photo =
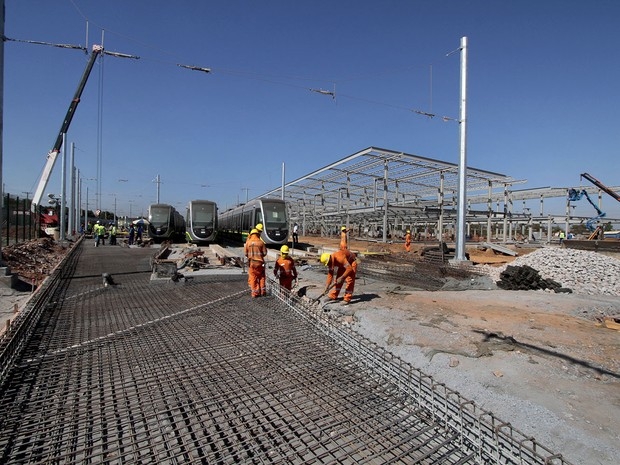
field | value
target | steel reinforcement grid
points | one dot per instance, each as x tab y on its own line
199	372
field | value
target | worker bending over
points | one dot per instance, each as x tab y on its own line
256	251
284	269
345	262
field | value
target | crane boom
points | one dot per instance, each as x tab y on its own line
53	153
600	185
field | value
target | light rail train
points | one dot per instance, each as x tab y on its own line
236	223
201	221
165	223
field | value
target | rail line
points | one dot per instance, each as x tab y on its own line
198	372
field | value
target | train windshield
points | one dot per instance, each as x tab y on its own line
275	215
159	216
202	214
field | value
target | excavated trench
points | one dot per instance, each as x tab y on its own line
144	371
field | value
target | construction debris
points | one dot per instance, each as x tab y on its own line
34	260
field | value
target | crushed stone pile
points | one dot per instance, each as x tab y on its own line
582	271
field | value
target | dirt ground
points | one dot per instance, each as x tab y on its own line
538	360
535	359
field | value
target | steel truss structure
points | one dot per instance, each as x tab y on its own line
379	190
388	188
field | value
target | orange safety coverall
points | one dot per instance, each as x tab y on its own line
286	272
408	242
256	251
346	263
343	240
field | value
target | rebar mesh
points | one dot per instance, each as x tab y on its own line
199	372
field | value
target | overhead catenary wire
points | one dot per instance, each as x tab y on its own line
277	79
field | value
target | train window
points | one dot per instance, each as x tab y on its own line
203	215
275	214
159	215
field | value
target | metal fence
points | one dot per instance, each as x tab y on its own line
19	224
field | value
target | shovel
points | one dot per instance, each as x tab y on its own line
324	293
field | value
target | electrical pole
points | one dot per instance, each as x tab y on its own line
157	181
1	113
462	197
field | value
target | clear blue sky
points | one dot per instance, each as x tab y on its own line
543	94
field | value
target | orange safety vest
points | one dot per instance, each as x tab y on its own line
286	267
343	260
255	248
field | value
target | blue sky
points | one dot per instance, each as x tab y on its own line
543	98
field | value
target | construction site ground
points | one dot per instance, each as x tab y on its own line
538	359
535	359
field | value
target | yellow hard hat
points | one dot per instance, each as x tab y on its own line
408	231
259	227
253	231
284	250
344	228
325	258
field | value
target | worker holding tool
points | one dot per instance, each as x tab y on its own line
343	238
408	241
256	251
346	263
284	269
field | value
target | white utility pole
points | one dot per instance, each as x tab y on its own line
63	190
462	197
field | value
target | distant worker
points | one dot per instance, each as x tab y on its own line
256	251
113	233
99	232
343	238
284	269
408	241
562	236
346	263
295	235
132	234
139	233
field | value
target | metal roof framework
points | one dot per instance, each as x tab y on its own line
380	184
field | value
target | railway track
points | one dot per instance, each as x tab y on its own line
198	372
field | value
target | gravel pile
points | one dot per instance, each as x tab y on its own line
584	272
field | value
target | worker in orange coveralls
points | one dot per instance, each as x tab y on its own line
284	269
259	229
346	263
256	251
408	241
343	238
